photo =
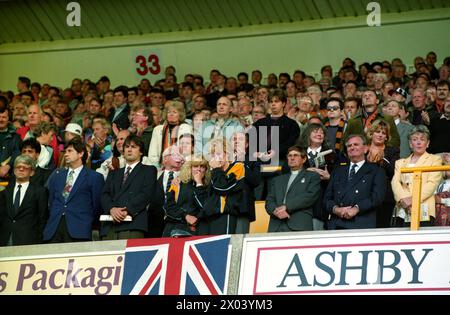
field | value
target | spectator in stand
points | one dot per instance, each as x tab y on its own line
20	111
128	191
292	196
402	184
369	113
258	112
256	78
9	142
442	93
186	197
224	126
74	198
314	141
356	190
169	133
385	156
142	125
32	148
275	134
23	207
352	106
418	113
222	206
119	115
44	134
393	108
440	130
34	119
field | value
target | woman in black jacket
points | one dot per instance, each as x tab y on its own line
186	198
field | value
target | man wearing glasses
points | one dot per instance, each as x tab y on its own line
335	123
23	207
292	196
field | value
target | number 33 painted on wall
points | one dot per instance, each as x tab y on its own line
153	65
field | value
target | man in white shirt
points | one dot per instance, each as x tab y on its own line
23	207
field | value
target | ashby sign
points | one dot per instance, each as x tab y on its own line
347	263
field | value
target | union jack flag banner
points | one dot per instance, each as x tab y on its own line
195	265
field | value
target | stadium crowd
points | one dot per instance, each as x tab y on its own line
177	159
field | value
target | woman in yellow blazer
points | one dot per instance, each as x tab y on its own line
419	140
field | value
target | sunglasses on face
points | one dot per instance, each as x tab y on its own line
332	108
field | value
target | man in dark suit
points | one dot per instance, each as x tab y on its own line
128	192
356	190
23	207
292	196
74	197
32	148
119	116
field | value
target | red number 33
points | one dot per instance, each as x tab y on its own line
143	69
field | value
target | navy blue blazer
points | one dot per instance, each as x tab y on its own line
135	194
367	190
81	207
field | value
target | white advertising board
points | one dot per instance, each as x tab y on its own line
347	262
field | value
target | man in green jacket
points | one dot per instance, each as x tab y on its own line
369	113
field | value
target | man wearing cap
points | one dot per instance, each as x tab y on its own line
369	113
399	95
72	130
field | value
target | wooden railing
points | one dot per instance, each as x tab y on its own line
417	189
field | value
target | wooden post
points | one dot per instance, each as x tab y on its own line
416	198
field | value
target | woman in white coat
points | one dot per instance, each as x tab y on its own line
169	132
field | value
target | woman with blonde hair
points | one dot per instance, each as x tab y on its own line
223	206
186	197
419	140
169	132
385	156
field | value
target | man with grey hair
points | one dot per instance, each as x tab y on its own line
356	190
23	207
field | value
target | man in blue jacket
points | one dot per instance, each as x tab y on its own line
74	197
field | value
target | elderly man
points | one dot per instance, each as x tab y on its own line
355	190
292	196
172	162
225	126
23	207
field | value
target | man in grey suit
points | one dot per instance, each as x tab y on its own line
291	196
393	108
